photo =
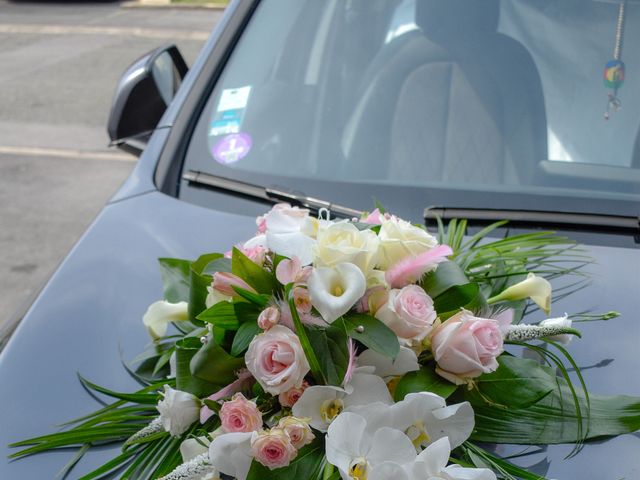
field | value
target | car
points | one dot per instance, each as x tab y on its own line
457	109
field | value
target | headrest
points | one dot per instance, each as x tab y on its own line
439	18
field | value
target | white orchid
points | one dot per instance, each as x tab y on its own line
161	313
425	418
335	290
322	404
361	453
178	410
431	463
534	287
290	231
231	454
385	367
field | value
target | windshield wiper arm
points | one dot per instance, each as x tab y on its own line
266	194
601	223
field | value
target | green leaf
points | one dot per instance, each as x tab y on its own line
554	419
330	347
483	459
442	278
258	299
176	279
256	276
186	349
243	337
222	315
456	297
376	335
517	383
301	332
306	466
199	283
214	365
246	312
423	380
220	264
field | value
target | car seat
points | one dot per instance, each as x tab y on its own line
451	101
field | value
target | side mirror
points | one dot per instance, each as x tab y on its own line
144	92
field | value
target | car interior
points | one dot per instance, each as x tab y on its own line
427	92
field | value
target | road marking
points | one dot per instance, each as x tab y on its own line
164	33
66	153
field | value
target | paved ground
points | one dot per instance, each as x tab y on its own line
59	65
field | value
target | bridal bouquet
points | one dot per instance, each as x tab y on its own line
360	349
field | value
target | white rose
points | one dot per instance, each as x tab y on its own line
399	240
178	410
342	242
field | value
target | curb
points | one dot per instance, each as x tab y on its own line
164	4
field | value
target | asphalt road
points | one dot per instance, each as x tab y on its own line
59	65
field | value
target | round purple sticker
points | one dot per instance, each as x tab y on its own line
232	148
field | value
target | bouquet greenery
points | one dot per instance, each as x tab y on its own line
357	349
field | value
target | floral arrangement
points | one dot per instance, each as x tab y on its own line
359	349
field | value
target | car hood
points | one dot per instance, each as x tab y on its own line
88	320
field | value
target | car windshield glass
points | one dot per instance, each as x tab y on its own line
517	97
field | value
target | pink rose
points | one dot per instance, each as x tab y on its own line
268	318
255	253
291	396
297	430
240	415
224	282
466	347
273	449
408	312
276	359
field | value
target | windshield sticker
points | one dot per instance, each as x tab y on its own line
228	116
232	148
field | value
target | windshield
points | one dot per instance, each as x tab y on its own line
514	97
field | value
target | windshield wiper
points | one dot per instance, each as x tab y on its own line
266	194
539	219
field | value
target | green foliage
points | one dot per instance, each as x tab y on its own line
374	335
186	349
175	274
256	276
517	383
213	364
330	347
199	281
423	380
243	338
222	315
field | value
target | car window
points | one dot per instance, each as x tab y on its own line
492	96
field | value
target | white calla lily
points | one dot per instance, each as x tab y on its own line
432	463
231	454
534	287
322	404
335	290
425	418
385	367
361	453
161	313
193	447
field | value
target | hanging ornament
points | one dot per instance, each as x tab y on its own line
614	69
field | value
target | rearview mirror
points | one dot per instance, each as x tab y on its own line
143	94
